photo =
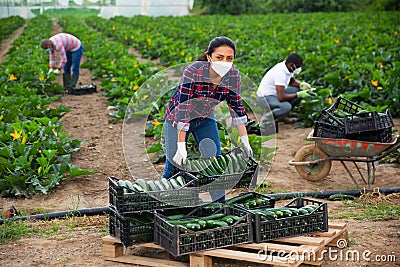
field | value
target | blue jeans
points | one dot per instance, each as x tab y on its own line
74	61
278	108
205	133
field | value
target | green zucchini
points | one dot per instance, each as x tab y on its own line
152	186
216	165
137	187
159	185
222	162
121	183
303	211
235	164
174	183
193	226
242	162
215	216
129	185
142	184
220	224
202	223
166	183
229	164
239	199
180	180
210	167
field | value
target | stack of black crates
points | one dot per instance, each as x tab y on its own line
348	120
132	213
143	217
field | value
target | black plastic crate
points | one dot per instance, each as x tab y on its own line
134	228
178	240
83	90
327	117
266	229
367	121
126	200
345	105
325	130
379	136
247	178
241	201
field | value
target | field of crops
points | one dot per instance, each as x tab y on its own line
351	54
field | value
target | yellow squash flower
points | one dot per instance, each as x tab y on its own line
113	80
1	117
182	53
379	88
23	140
41	78
336	41
145	97
16	135
148	41
156	123
374	83
135	87
12	77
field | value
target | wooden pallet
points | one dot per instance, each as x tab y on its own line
290	252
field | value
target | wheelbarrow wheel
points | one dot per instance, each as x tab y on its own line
313	171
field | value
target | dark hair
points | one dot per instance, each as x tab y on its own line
215	43
295	59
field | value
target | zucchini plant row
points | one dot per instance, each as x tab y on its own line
142	185
283	212
217	165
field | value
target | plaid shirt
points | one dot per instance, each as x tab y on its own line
195	97
62	43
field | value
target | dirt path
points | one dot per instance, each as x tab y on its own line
7	43
77	242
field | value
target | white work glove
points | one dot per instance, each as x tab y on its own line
246	145
50	71
305	86
56	71
181	154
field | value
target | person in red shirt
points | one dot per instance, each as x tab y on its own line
70	50
203	85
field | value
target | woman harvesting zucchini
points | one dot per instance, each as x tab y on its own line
204	84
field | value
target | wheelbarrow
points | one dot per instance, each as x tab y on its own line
313	162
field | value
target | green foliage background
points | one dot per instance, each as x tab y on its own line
238	7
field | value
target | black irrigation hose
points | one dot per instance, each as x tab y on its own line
103	210
327	194
60	214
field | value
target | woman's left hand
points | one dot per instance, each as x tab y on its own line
246	145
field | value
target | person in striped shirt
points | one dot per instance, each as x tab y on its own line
203	85
70	50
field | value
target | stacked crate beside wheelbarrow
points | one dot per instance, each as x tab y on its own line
348	120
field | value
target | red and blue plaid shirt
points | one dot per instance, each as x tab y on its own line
195	97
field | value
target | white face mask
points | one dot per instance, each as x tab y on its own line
221	67
297	71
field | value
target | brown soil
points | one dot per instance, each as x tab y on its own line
78	240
